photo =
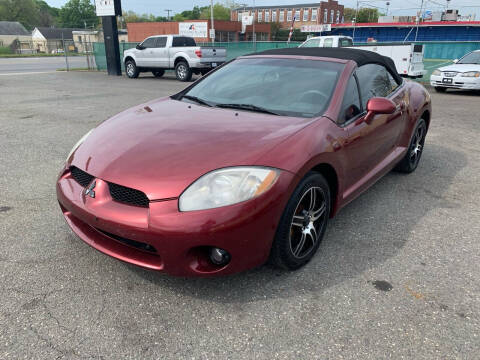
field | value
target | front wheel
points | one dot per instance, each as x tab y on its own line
303	224
183	72
131	69
411	159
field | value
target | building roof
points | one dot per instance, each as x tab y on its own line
408	24
291	6
12	28
361	57
51	33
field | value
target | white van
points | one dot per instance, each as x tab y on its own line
408	57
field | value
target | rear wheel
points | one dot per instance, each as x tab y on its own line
440	89
303	224
158	73
131	69
183	71
411	159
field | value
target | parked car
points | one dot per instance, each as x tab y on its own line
462	74
408	58
181	53
238	169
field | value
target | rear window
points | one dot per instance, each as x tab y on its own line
345	42
179	41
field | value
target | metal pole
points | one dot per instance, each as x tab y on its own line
253	29
168	14
211	19
65	53
355	23
418	20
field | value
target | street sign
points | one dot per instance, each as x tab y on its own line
212	34
316	28
108	7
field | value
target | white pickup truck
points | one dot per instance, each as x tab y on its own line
408	58
164	52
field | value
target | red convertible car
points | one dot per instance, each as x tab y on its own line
245	165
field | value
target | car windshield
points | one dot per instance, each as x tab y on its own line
472	58
287	87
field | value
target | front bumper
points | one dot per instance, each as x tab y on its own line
162	238
458	82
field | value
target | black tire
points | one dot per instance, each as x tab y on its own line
158	73
131	69
415	149
183	72
288	252
440	89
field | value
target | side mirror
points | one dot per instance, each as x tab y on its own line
455	61
140	47
379	105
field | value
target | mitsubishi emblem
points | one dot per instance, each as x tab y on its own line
89	191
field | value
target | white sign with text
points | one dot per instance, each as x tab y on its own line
193	29
105	7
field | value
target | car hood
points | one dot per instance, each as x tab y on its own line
460	67
161	147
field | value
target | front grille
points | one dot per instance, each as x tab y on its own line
118	192
450	74
81	176
127	195
136	244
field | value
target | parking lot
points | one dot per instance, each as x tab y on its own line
397	276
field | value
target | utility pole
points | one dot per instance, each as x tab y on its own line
212	28
168	13
388	5
418	20
253	28
355	22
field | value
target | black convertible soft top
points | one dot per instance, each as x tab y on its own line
361	57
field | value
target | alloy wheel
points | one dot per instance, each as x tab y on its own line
416	146
307	222
182	71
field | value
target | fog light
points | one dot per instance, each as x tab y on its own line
219	256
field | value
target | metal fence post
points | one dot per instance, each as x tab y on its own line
65	52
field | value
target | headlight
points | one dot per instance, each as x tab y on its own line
436	72
79	142
475	74
226	187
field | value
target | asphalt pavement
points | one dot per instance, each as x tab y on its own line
35	65
397	276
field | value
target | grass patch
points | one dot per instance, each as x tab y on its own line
75	69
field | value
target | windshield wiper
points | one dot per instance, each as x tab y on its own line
196	99
247	107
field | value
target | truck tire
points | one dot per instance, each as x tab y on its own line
183	72
158	73
131	69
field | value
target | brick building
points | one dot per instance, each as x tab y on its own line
323	12
225	31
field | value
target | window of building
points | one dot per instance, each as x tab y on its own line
325	16
314	14
267	16
274	16
332	14
289	15
338	17
297	15
281	16
305	14
260	14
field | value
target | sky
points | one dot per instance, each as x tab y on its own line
397	7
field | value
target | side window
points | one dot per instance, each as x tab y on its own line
351	106
312	43
161	42
345	42
149	43
328	42
179	41
375	81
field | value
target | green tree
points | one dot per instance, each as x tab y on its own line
23	11
78	14
364	15
220	12
47	15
